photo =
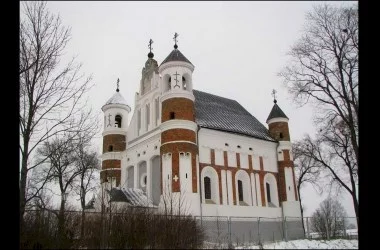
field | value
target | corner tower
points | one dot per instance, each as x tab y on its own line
116	112
279	130
179	149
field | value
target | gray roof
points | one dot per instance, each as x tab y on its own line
133	196
117	98
175	55
227	115
276	112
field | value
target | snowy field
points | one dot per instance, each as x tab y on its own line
308	244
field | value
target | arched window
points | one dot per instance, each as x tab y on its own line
268	192
240	190
207	184
110	148
118	121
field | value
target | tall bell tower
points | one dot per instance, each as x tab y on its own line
179	150
279	130
114	134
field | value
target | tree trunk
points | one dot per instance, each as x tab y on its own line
61	223
299	197
82	225
22	188
356	207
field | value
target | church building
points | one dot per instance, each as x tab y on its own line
205	153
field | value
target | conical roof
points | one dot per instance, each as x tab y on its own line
117	98
176	55
276	112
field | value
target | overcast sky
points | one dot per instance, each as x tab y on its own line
237	49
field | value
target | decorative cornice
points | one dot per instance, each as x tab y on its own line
171	142
277	119
114	131
178	124
175	64
116	105
107	169
112	156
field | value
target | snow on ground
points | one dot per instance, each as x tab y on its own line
308	244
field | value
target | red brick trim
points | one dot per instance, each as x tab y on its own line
261	164
178	134
182	107
276	128
238	160
117	141
281	181
286	154
175	149
294	183
250	162
111	164
212	156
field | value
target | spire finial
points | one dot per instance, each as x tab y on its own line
175	40
274	95
117	83
150	55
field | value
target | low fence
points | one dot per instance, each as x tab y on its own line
130	229
141	228
220	230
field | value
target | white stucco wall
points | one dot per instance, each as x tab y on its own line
240	211
290	190
185	172
291	208
217	140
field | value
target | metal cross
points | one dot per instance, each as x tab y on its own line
175	38
175	178
109	120
117	83
176	80
274	93
150	45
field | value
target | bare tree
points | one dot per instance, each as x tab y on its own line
61	168
307	170
324	70
328	219
51	93
87	163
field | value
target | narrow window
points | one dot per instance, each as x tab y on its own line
118	121
172	115
186	178
169	83
240	190
110	148
145	180
184	84
207	183
268	192
147	116
157	107
281	136
138	120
